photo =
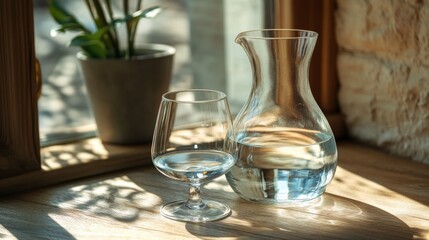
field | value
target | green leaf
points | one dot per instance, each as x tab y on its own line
147	13
60	14
79	40
96	50
69	27
99	33
92	44
64	18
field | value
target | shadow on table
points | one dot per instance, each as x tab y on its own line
329	217
32	215
404	176
134	197
32	225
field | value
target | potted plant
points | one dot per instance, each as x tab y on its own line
124	81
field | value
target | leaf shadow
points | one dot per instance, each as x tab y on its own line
329	217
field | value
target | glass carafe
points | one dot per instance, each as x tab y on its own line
287	151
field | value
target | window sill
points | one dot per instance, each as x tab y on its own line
65	162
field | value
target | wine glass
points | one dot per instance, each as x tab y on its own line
191	144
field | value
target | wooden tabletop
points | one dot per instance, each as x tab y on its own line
373	196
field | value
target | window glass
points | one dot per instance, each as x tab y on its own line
202	31
63	107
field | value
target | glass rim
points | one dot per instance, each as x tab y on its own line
250	34
220	96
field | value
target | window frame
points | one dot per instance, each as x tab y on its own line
19	134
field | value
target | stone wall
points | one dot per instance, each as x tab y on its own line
383	67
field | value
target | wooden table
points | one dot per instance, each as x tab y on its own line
373	196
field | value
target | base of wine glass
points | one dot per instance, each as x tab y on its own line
210	211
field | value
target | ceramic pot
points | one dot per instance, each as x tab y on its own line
125	93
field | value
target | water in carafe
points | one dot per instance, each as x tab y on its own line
287	151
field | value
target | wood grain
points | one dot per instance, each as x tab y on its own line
373	196
19	134
317	16
76	160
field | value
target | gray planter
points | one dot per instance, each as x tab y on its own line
125	94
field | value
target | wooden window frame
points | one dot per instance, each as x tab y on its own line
19	135
24	165
318	16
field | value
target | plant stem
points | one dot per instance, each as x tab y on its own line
101	22
133	28
91	10
128	28
110	11
139	5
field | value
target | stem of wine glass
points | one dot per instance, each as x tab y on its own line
194	199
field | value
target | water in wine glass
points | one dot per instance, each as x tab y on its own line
190	144
194	166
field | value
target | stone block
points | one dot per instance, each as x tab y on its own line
423	33
384	73
387	29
